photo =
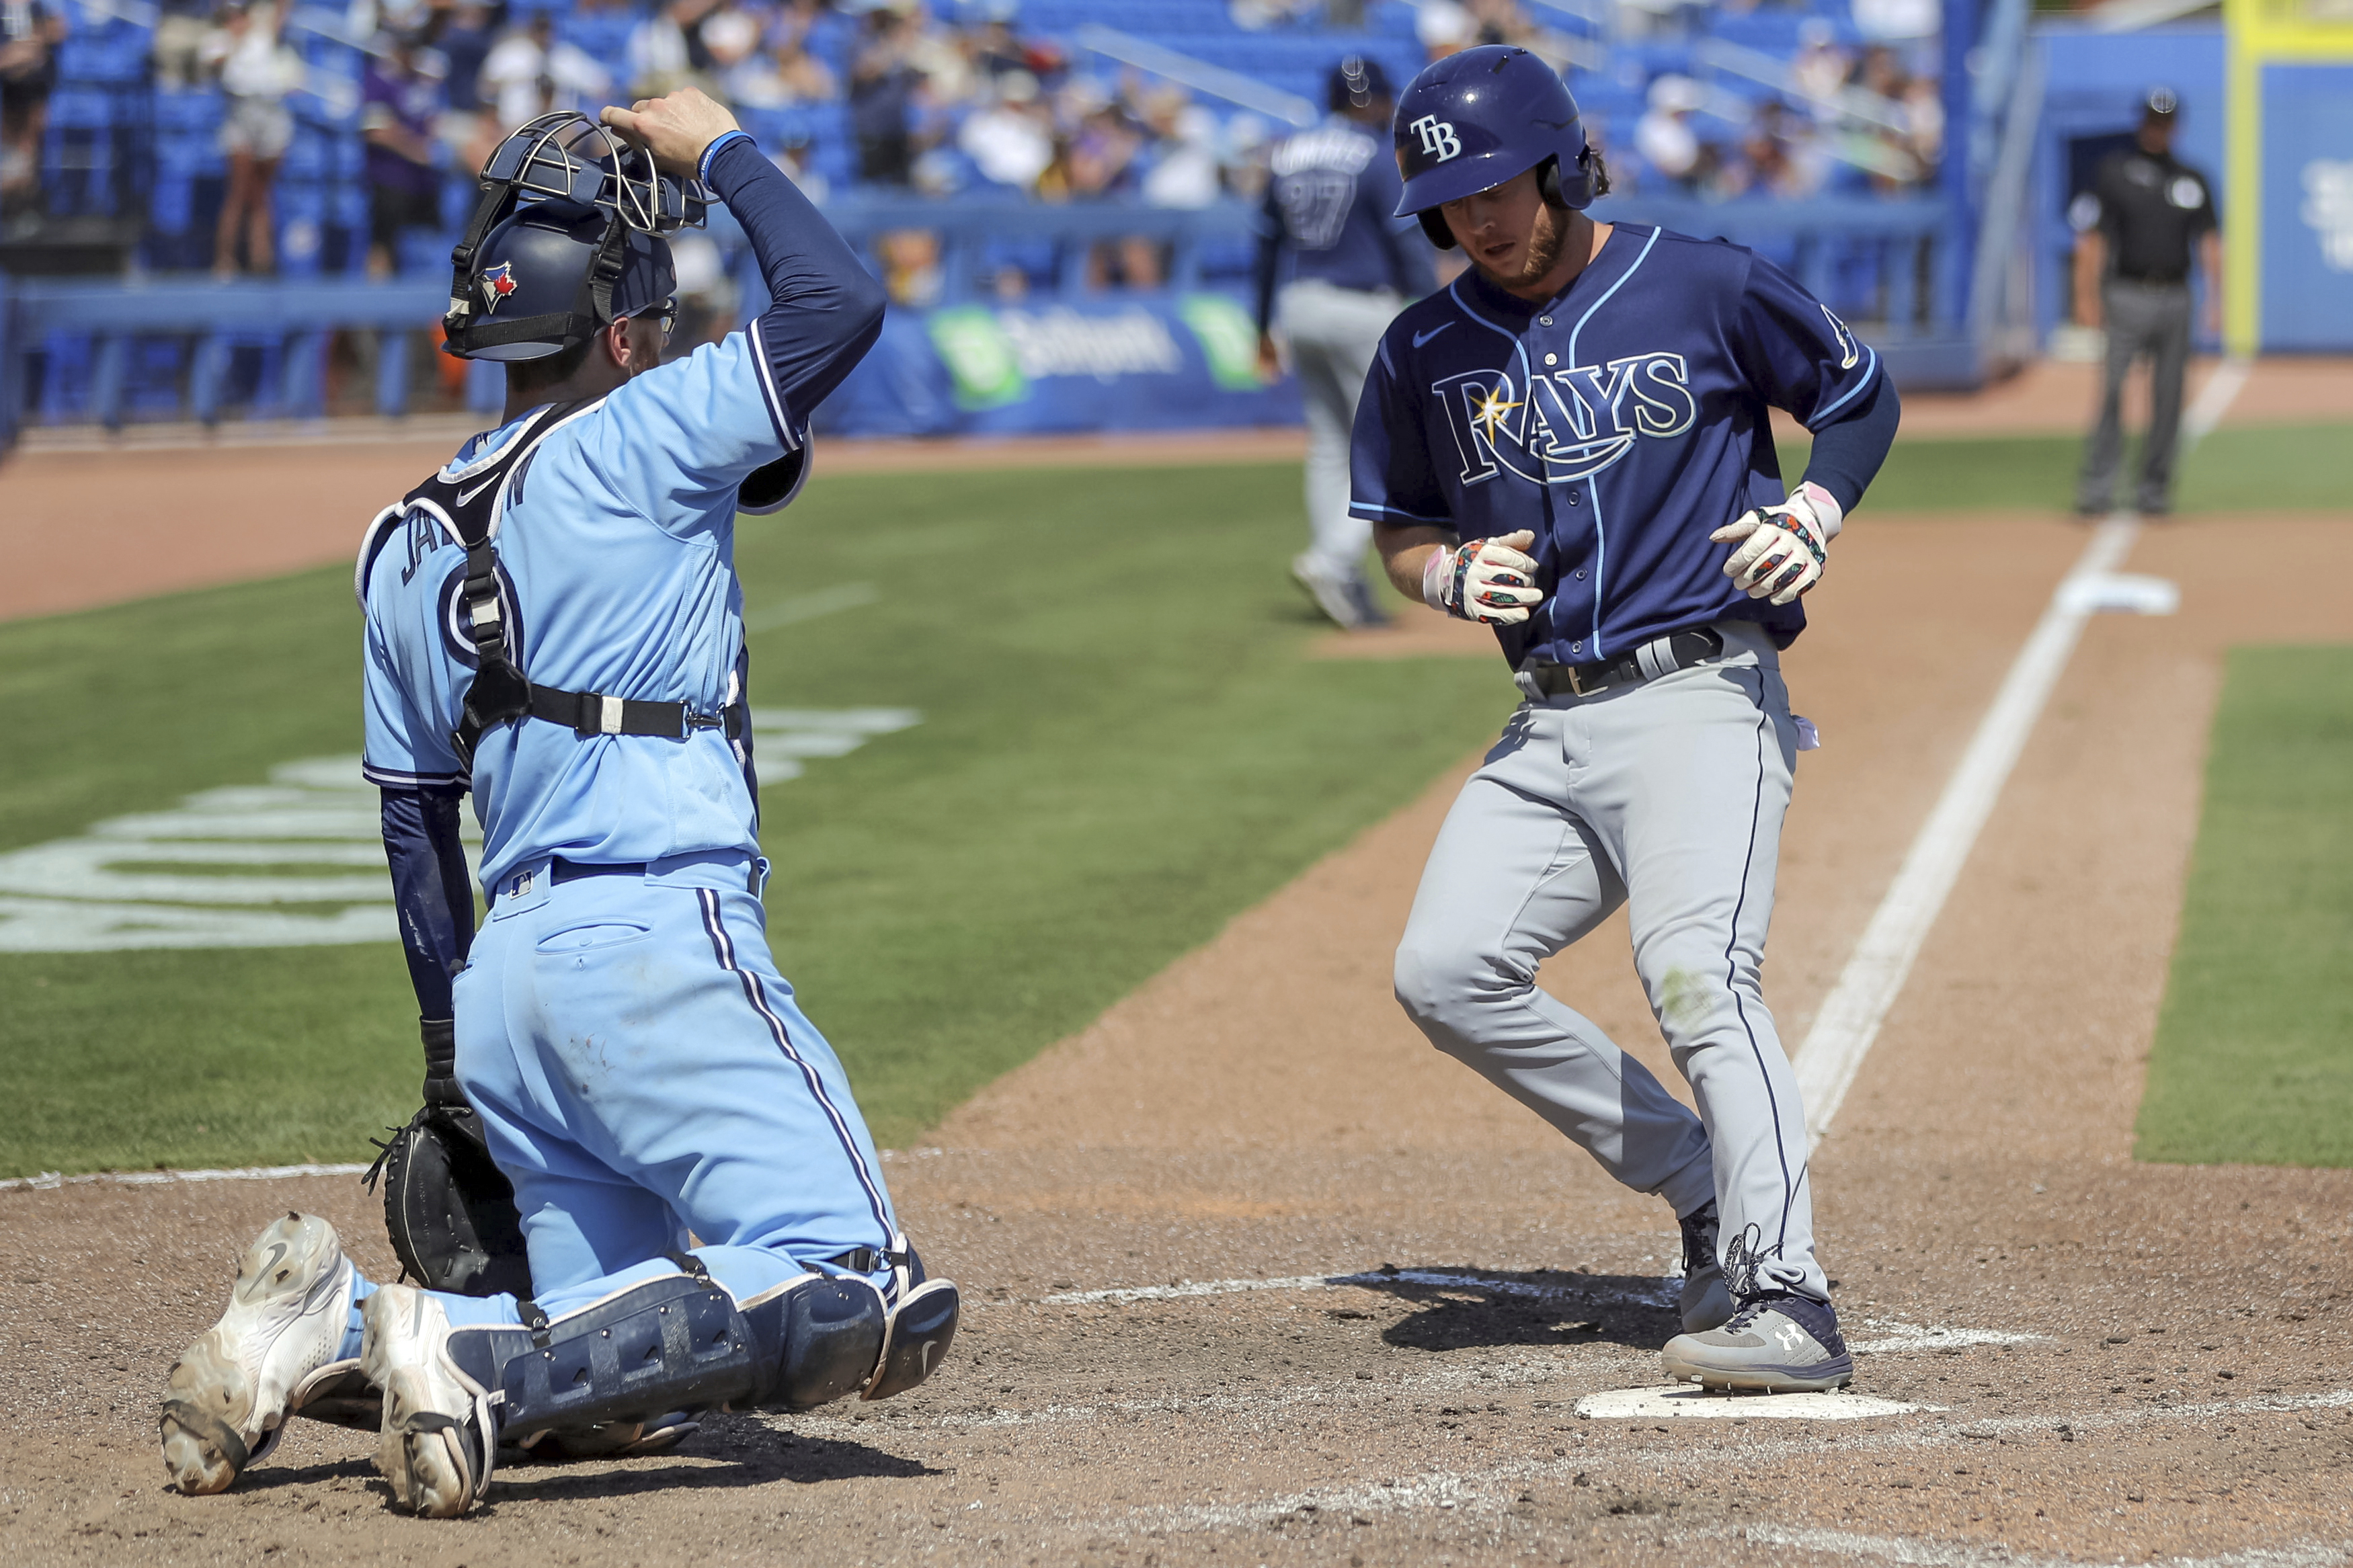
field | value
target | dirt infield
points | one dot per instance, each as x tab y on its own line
1404	1284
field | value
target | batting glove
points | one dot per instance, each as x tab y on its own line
1490	581
1785	547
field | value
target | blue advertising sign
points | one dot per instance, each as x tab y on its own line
2307	237
1133	362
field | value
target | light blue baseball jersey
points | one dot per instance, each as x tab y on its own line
616	547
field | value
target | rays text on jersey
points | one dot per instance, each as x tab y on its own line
1563	424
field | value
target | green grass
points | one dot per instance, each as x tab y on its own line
2285	467
1121	747
2253	1058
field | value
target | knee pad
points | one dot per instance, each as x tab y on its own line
916	1338
816	1339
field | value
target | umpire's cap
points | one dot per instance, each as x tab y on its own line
1472	120
533	271
1356	83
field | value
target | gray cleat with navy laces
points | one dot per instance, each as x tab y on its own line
1778	1342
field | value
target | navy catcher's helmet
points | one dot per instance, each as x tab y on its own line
566	239
534	293
1357	83
1472	120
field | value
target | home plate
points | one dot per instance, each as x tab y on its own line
1678	1400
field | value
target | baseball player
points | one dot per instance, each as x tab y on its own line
1334	268
1570	444
553	620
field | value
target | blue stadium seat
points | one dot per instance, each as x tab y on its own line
424	253
306	156
75	108
198	110
1769	28
602	35
300	209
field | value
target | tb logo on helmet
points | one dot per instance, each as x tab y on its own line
1438	138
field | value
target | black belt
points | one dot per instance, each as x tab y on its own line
1681	651
2149	282
562	871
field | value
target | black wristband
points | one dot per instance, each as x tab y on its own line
441	1036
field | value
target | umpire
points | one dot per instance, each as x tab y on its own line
1334	269
2136	226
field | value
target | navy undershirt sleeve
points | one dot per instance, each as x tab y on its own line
824	310
1847	453
432	892
1270	258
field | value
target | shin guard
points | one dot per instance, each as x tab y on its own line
677	1344
668	1345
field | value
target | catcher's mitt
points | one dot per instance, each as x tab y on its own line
450	1213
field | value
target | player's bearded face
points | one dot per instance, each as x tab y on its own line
1511	233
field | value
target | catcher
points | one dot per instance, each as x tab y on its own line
554	622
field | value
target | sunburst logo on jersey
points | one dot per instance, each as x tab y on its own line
1492	410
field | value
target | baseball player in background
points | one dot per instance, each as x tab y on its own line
1570	444
553	620
1334	269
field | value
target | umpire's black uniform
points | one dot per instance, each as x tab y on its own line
2140	223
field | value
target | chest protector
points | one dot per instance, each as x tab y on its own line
471	508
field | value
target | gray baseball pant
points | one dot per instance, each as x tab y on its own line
2150	319
1334	333
1666	797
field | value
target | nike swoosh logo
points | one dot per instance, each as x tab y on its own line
277	1255
1421	338
465	496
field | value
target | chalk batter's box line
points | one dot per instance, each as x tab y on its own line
1897	1338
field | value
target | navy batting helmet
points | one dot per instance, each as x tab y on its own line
568	239
1357	83
1473	120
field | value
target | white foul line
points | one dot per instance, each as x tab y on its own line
1661	1295
1875	974
49	1181
2214	400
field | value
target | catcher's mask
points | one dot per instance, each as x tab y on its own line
568	239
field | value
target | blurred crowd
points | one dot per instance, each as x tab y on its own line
1861	120
962	99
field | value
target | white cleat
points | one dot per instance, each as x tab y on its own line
226	1399
440	1432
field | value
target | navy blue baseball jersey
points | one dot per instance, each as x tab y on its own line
1329	194
1621	423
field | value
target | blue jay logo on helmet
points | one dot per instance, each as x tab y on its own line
497	283
570	236
1475	119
